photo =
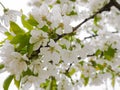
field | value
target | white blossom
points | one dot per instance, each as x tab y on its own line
41	14
67	27
28	81
51	53
14	62
38	38
55	16
10	15
35	66
3	29
69	56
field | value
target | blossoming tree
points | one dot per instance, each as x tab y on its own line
63	44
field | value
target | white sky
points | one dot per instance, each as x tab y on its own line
22	4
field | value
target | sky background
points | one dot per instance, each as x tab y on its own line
22	4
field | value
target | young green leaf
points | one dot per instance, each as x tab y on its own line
30	49
45	84
96	20
28	72
113	80
1	42
21	41
45	28
52	84
72	71
25	23
73	0
98	53
9	36
86	80
1	66
15	28
109	53
72	13
7	82
17	83
32	21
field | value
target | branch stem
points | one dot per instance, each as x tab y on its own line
2	6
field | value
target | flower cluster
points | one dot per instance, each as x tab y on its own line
51	54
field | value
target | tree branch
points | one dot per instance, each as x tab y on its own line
90	36
107	7
116	4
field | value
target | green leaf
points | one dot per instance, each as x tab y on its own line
2	42
72	71
28	72
9	36
58	2
1	66
45	84
98	53
25	23
32	21
73	0
95	31
30	49
93	63
49	84
52	84
72	13
81	63
109	53
63	46
21	41
17	83
45	28
113	80
86	80
100	67
96	20
78	40
15	28
7	82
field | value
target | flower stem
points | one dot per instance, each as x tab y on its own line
5	9
2	5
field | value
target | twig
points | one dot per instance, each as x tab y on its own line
107	7
69	67
2	5
90	36
116	4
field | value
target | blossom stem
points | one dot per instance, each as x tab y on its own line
2	6
69	67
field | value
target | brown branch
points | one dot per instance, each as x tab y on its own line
69	68
107	7
116	4
89	37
